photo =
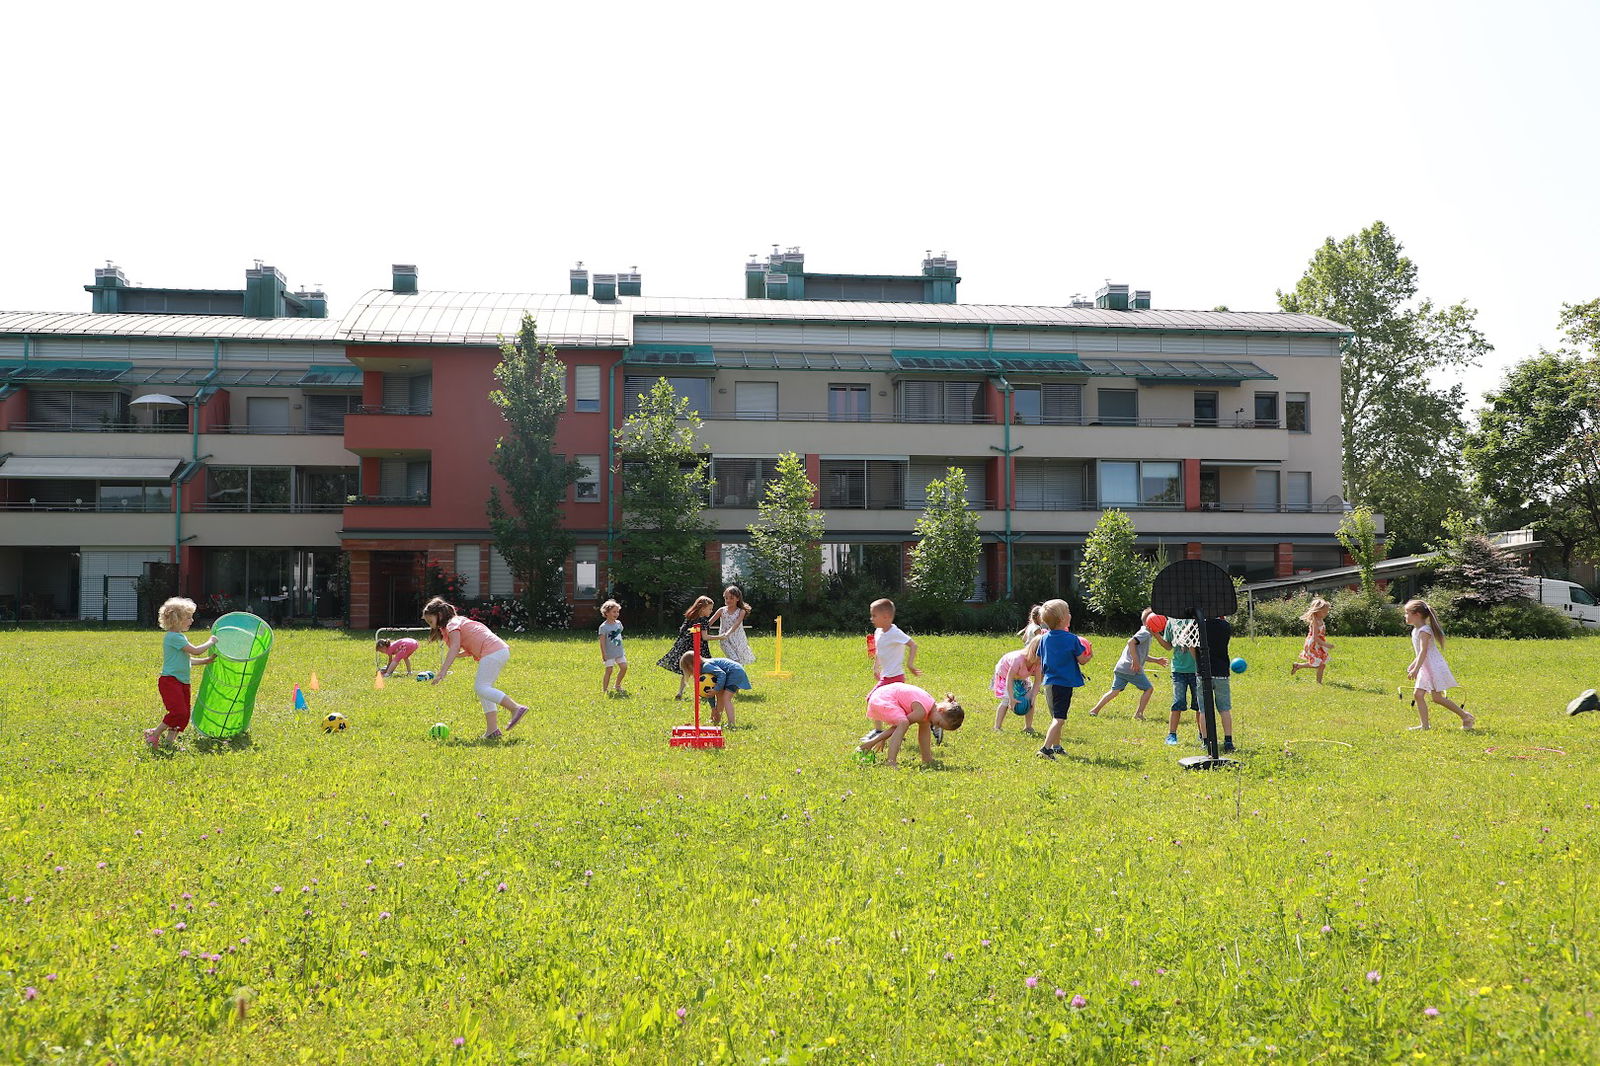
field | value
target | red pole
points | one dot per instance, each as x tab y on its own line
696	681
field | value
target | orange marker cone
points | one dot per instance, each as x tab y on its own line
314	685
377	681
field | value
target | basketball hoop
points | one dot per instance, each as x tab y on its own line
696	735
1194	590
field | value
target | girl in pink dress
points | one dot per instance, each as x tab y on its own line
1429	672
1010	672
895	707
1314	653
463	636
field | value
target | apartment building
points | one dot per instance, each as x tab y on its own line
310	466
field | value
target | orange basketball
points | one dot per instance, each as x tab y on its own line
1156	623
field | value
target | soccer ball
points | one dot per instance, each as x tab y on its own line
335	723
439	731
708	686
426	675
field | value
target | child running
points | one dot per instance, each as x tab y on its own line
696	615
895	707
732	616
727	677
1059	653
1014	681
1130	668
611	653
1314	654
399	651
1429	673
177	655
893	653
464	636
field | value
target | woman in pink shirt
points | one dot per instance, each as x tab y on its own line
463	636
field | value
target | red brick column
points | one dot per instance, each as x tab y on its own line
1191	484
1283	565
714	562
1192	550
360	589
814	473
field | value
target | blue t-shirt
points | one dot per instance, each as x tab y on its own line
1059	652
725	673
174	660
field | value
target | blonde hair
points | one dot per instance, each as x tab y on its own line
701	604
883	605
1035	624
1318	604
437	613
1421	607
686	660
1055	613
606	606
174	609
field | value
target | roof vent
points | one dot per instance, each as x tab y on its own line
777	286
405	277
1112	297
110	274
630	283
605	287
938	266
578	280
755	278
1141	300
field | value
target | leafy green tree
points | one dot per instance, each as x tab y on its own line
1402	436
1484	575
1358	532
1116	579
1535	453
666	483
944	563
526	519
785	541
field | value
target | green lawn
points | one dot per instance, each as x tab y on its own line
584	893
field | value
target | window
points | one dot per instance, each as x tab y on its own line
404	478
1052	484
500	580
588	483
325	488
922	471
1299	490
756	399
248	488
1119	407
950	402
849	403
1297	412
325	411
1266	490
134	497
740	482
1210	488
1266	410
68	409
696	390
408	394
1062	405
1149	484
586	570
467	564
267	414
1205	408
585	388
1578	594
1027	405
874	484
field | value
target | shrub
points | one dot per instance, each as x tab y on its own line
1353	614
1519	620
505	614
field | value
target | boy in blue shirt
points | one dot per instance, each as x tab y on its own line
1061	653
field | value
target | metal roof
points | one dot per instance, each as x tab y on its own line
87	466
192	327
385	317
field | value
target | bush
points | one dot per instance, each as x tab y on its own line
503	614
1519	620
1353	614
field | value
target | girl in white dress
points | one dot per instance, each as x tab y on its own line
1429	672
730	620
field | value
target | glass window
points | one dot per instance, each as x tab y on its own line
951	402
1297	412
1119	407
696	390
1210	488
1119	484
1161	484
269	488
126	497
1205	408
585	388
227	488
1027	406
849	403
588	484
740	482
267	414
756	399
877	484
1581	595
1266	410
325	488
586	568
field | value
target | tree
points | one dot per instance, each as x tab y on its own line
785	541
1116	582
665	487
1535	454
944	563
526	521
1485	576
1401	436
1358	532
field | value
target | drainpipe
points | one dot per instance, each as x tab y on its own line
1006	403
27	348
611	476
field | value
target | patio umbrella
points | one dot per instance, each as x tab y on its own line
160	399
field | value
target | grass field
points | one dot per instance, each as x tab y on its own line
584	893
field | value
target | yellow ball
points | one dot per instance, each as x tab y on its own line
335	723
708	685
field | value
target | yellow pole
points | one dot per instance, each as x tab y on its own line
777	655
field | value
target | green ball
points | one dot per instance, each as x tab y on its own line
439	731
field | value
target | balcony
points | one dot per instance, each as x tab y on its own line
92	426
374	430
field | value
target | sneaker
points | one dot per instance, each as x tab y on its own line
871	736
1172	739
1058	750
938	735
1047	753
1586	701
1227	745
516	716
496	735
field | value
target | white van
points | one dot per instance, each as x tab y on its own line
1571	599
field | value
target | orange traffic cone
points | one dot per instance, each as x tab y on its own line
377	681
314	685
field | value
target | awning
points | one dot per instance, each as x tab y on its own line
88	466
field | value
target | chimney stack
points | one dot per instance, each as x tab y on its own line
264	290
605	287
405	277
630	283
1112	297
578	280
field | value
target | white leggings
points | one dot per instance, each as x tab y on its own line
489	668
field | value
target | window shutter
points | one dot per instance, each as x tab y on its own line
396	391
325	412
756	399
919	401
392	478
1063	405
53	406
420	398
467	567
844	483
633	387
500	580
1267	490
417	473
962	401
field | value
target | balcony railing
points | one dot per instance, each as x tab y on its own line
243	428
386	501
895	417
1075	504
92	426
85	507
211	507
393	409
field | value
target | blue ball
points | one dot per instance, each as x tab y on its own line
1239	666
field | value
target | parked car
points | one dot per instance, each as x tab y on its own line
1568	597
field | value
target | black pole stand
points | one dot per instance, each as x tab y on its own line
1211	760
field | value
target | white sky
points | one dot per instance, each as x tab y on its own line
1200	150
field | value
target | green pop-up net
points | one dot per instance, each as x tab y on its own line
227	694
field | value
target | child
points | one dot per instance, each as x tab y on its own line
1130	669
1314	655
1218	633
733	614
1185	677
1429	672
1015	681
893	653
398	651
177	655
1060	653
611	653
727	677
696	615
468	637
1035	624
894	707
